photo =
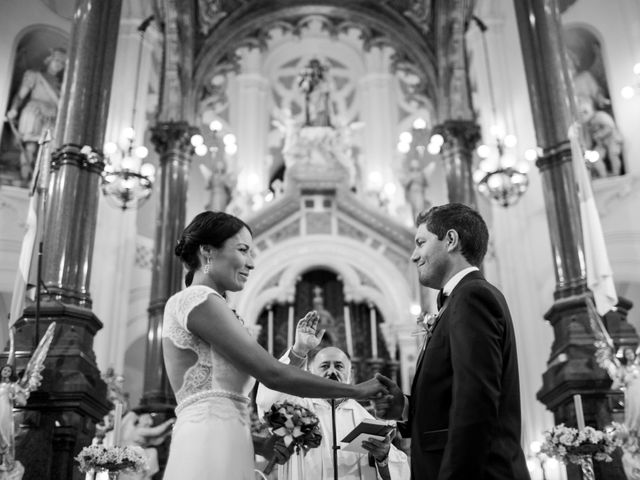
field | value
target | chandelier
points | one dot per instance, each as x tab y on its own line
501	176
126	181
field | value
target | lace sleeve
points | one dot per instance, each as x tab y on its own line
191	298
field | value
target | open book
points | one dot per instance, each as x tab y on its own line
368	428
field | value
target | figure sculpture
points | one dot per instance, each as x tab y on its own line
415	183
313	82
625	373
601	135
138	430
14	391
220	183
599	130
35	107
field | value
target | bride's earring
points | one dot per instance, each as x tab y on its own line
207	266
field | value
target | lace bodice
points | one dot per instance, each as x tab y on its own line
211	374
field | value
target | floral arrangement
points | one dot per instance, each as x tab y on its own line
626	438
113	459
574	446
295	427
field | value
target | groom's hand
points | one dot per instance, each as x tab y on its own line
389	406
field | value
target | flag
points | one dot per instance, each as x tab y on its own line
598	269
27	250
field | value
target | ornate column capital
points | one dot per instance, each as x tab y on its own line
168	136
467	132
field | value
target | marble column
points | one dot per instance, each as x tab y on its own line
379	113
572	367
172	142
460	139
455	110
250	119
60	417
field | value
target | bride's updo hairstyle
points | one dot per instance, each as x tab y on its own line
207	228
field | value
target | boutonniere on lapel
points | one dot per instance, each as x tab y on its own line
426	323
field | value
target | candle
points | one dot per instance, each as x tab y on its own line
117	423
270	330
577	401
374	331
290	326
347	330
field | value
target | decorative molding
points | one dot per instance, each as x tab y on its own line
388	23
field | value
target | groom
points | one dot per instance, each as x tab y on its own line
464	408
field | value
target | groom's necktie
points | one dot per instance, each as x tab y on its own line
440	300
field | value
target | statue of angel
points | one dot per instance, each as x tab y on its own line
15	391
220	182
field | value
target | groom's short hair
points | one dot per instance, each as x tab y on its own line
471	227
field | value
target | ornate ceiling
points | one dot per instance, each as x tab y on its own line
427	37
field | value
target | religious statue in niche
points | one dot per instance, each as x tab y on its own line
600	133
14	391
35	106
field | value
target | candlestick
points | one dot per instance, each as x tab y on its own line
347	330
290	326
577	401
374	331
117	423
270	330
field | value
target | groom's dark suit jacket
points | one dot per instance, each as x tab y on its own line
464	409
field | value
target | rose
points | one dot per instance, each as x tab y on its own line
294	427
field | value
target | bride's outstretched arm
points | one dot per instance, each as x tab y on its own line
215	323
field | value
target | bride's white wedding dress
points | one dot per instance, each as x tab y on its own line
211	437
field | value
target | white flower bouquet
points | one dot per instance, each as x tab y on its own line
570	445
112	459
627	439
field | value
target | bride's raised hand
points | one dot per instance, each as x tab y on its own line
307	335
371	389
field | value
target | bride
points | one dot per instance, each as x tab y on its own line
212	361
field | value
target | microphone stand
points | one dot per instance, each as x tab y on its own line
335	446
